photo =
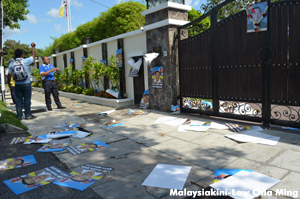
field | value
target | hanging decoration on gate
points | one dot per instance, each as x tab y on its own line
257	17
135	67
157	77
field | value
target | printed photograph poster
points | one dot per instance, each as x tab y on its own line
85	176
157	77
18	162
42	139
111	123
18	140
87	147
257	17
119	57
145	100
36	179
56	145
59	134
135	67
221	174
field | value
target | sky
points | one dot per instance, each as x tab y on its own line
43	22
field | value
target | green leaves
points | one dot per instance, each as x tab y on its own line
119	19
13	12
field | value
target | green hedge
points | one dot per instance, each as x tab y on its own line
121	18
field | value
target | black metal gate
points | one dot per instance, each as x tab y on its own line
227	72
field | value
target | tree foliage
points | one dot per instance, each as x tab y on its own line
198	27
121	18
13	12
11	45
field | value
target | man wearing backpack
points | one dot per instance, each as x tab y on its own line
21	74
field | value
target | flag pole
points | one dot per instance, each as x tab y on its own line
68	15
1	64
70	18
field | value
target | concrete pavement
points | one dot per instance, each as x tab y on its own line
139	145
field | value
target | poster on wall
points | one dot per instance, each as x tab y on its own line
103	61
119	58
257	19
157	77
135	67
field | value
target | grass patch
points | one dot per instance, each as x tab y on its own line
8	117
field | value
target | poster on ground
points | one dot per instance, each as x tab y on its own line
157	77
85	176
56	145
87	147
221	174
12	163
36	179
42	139
18	140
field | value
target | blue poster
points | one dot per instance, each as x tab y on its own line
42	139
119	62
58	134
87	147
157	77
56	145
221	174
111	123
85	176
36	179
18	162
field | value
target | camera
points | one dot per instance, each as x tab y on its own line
3	53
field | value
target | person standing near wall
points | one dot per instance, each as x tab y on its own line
21	73
47	72
11	85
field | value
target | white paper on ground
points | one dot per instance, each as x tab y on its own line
80	134
113	93
199	123
255	137
245	182
164	120
197	128
256	128
214	125
109	112
168	176
176	122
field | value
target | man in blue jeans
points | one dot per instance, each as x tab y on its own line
23	88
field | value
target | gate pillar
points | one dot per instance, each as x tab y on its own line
162	21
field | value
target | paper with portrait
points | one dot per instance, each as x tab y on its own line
36	179
18	140
56	145
87	147
85	176
111	123
157	77
41	139
12	163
